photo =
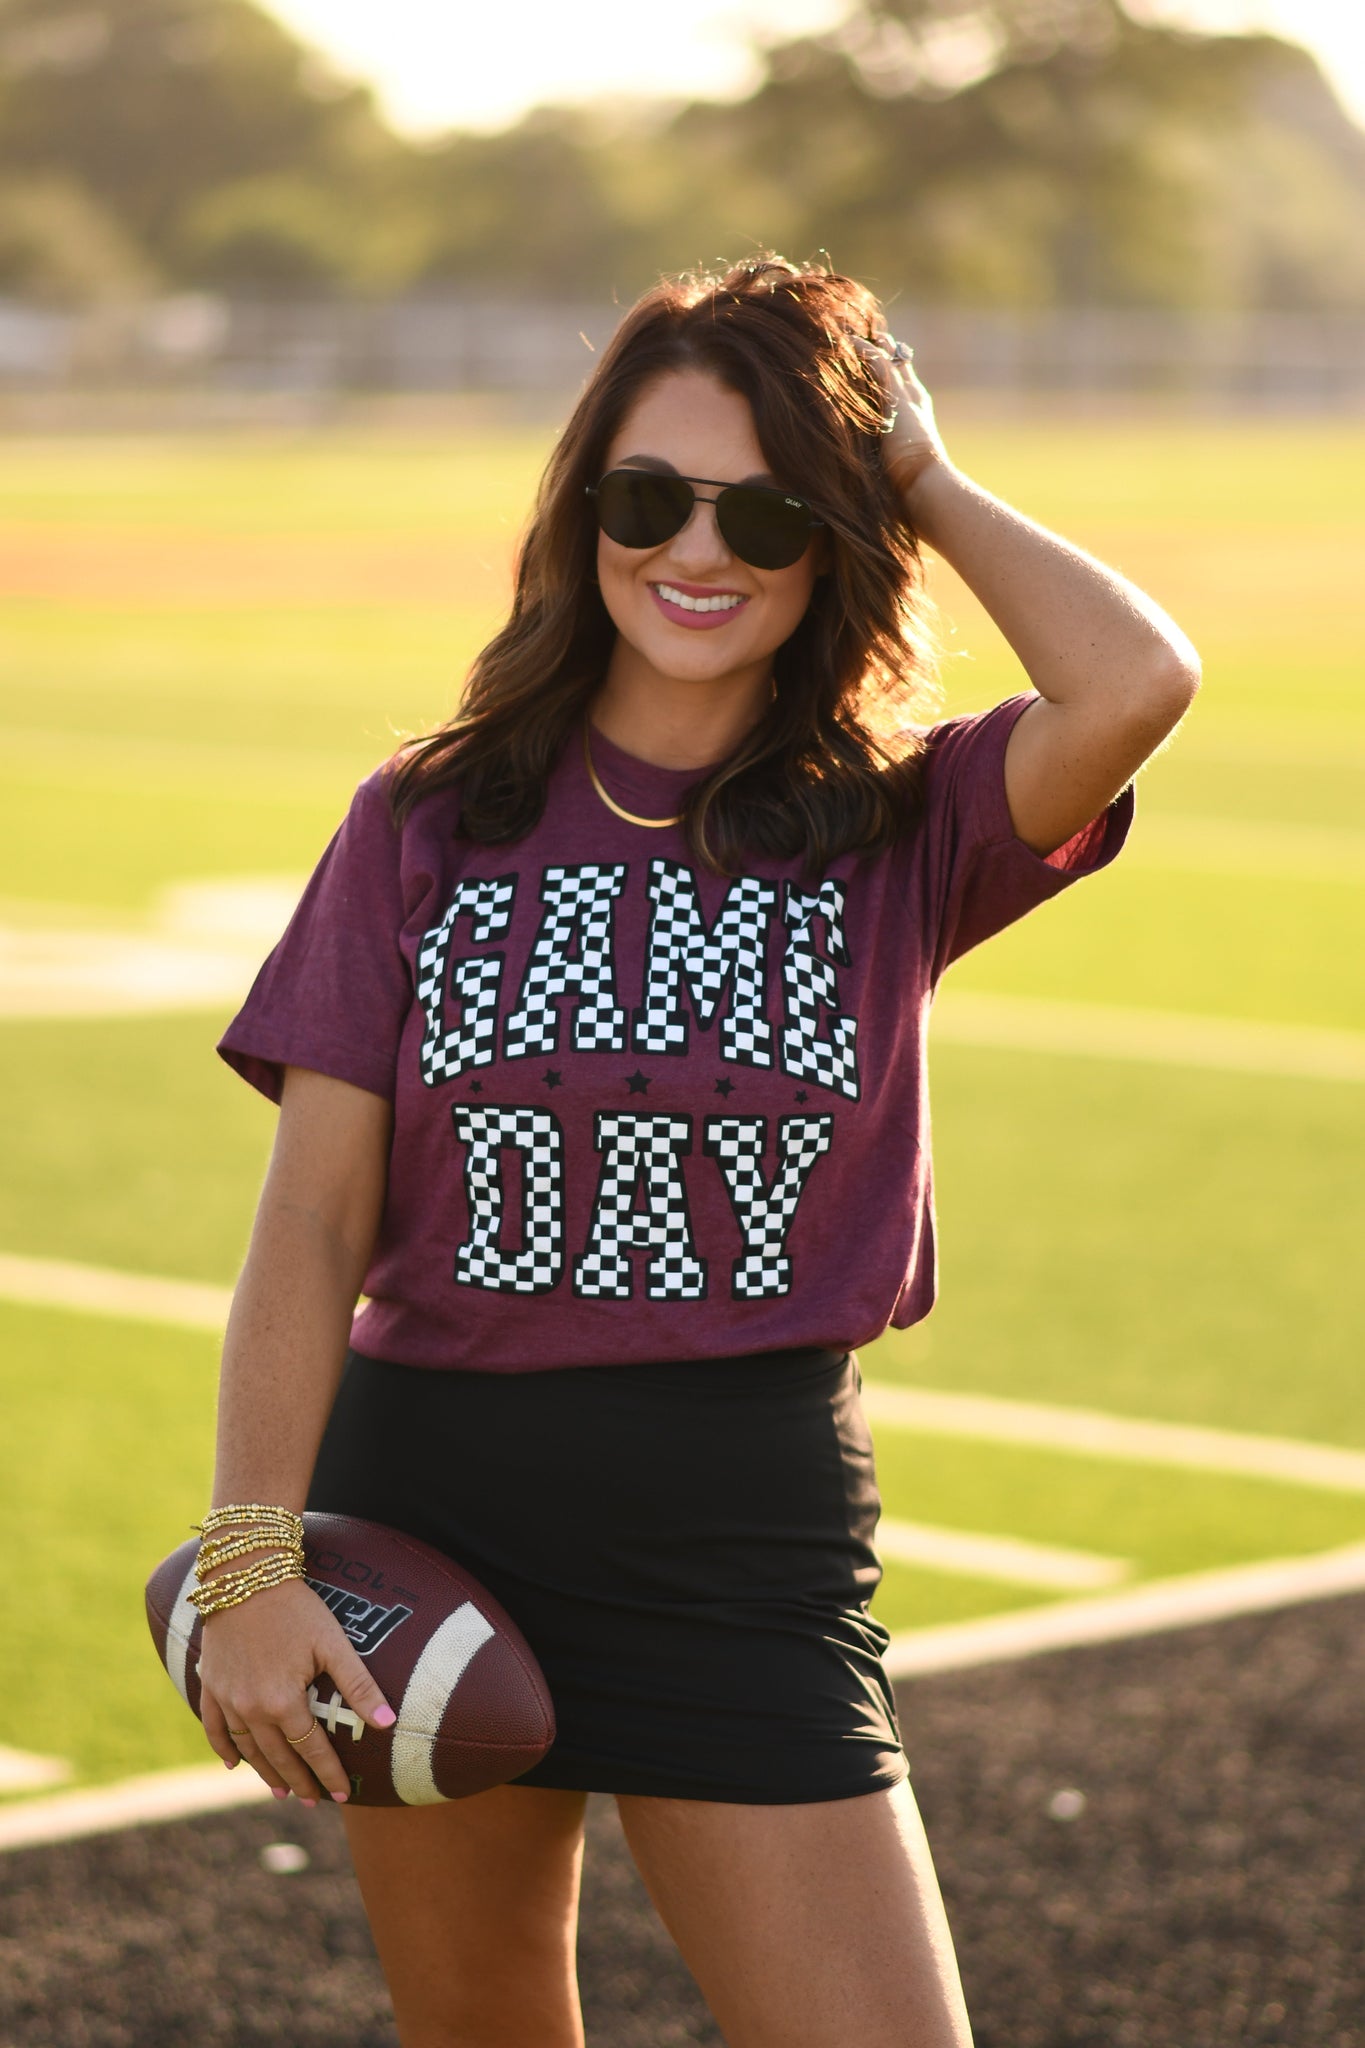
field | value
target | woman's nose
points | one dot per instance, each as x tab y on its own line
701	540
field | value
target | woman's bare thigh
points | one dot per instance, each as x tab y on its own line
474	1910
806	1926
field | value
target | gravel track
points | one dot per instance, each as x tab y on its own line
1201	1884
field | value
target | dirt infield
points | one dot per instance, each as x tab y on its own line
1155	1844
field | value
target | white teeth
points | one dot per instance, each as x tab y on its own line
724	603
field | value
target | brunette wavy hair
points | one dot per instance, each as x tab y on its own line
833	764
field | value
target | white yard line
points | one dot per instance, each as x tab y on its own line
1148	1609
1308	1052
160	1795
1090	1433
22	1772
198	949
973	1555
101	1291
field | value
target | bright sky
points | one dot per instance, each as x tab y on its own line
446	63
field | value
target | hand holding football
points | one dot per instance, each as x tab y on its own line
472	1707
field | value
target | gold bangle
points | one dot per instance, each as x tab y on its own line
234	1587
216	1550
270	1537
271	1573
230	1524
232	1518
245	1511
278	1560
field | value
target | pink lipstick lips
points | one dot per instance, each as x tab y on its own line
704	609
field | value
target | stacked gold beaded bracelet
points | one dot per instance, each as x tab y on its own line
239	1531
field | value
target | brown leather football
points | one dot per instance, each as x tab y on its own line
472	1704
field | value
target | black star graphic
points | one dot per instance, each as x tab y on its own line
552	1078
636	1082
476	1087
800	1094
723	1087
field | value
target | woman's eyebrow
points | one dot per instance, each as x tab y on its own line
658	462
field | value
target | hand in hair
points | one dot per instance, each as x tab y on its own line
913	442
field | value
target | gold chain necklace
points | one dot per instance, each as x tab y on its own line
629	816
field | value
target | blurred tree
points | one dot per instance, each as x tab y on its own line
1029	152
272	233
154	104
989	152
59	247
524	207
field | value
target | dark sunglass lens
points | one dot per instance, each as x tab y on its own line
765	528
640	509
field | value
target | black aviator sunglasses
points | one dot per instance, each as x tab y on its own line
642	508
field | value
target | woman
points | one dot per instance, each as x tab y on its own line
598	1037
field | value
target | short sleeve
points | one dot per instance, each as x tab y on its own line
983	876
334	993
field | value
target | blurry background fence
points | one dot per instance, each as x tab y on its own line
454	342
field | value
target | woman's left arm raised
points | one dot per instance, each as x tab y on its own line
1113	673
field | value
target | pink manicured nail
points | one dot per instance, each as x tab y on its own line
278	1792
341	1797
384	1717
308	1802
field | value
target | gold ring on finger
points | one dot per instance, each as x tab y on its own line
295	1740
237	1733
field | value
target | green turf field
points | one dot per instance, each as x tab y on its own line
204	643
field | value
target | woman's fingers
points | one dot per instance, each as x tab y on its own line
308	1764
249	1735
912	442
218	1732
251	1753
301	1765
356	1686
262	1657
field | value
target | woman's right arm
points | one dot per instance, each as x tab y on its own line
286	1341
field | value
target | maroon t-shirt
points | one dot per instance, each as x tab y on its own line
641	1110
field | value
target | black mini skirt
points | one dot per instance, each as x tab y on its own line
687	1547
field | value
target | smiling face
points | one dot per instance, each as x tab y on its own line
690	610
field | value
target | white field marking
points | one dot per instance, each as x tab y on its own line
77	975
159	1795
997	1557
1149	1609
1089	1433
1244	847
248	909
1175	1038
199	950
100	1291
1160	1605
20	1772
